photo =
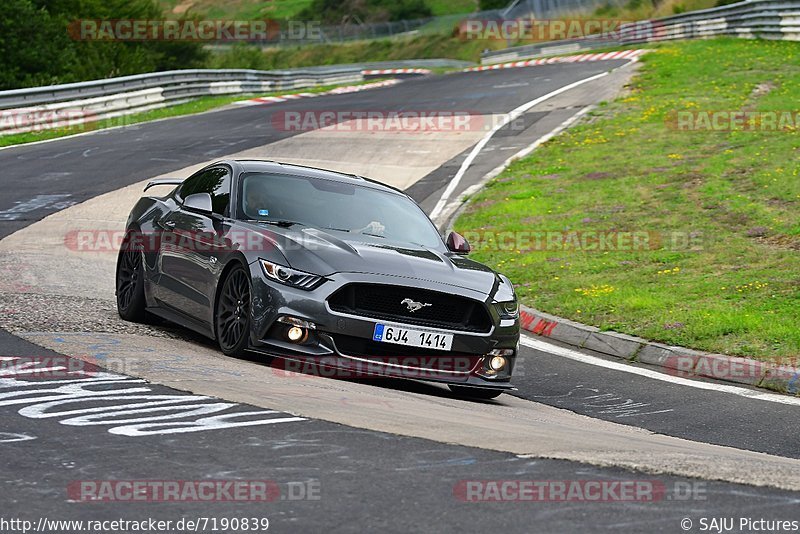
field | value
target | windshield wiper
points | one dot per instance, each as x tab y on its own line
335	229
374	235
281	223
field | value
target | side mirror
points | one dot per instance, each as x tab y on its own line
198	202
457	243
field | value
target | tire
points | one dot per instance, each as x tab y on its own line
130	280
476	393
232	313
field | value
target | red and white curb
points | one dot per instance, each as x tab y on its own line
625	54
295	96
782	376
395	71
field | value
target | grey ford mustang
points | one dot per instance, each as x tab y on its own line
318	268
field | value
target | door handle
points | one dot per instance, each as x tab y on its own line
167	225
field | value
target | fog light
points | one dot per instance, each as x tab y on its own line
295	334
497	363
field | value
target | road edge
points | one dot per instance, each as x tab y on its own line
675	360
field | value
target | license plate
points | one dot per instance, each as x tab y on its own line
400	335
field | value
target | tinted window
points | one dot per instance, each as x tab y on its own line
216	182
336	206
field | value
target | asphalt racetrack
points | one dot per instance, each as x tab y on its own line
339	455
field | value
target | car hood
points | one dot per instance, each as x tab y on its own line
325	253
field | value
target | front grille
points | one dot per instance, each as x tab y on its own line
432	360
385	302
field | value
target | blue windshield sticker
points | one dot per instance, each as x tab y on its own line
263	213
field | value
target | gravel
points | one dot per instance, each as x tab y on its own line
33	312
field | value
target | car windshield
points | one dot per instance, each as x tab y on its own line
335	206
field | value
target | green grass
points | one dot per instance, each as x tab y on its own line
451	7
647	9
198	105
735	195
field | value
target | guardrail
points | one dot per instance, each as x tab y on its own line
551	48
58	106
767	19
54	106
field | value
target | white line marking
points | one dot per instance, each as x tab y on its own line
474	188
46	397
633	369
6	437
482	143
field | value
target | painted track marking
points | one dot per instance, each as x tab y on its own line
564	352
512	115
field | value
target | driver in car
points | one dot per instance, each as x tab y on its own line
255	203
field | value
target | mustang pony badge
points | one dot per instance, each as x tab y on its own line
413	305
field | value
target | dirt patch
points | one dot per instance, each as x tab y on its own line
758	231
477	206
780	241
762	89
597	175
183	7
780	202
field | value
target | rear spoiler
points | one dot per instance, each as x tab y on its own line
163	181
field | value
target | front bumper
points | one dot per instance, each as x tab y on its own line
341	344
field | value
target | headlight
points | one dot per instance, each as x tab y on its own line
508	309
289	276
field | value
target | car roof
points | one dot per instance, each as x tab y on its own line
258	165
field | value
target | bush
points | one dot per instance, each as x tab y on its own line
486	5
36	48
240	56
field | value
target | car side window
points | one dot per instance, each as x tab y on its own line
216	182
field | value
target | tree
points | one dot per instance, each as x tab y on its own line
486	5
36	47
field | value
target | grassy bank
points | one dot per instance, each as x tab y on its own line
419	47
717	213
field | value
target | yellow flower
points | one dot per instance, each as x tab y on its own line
595	291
